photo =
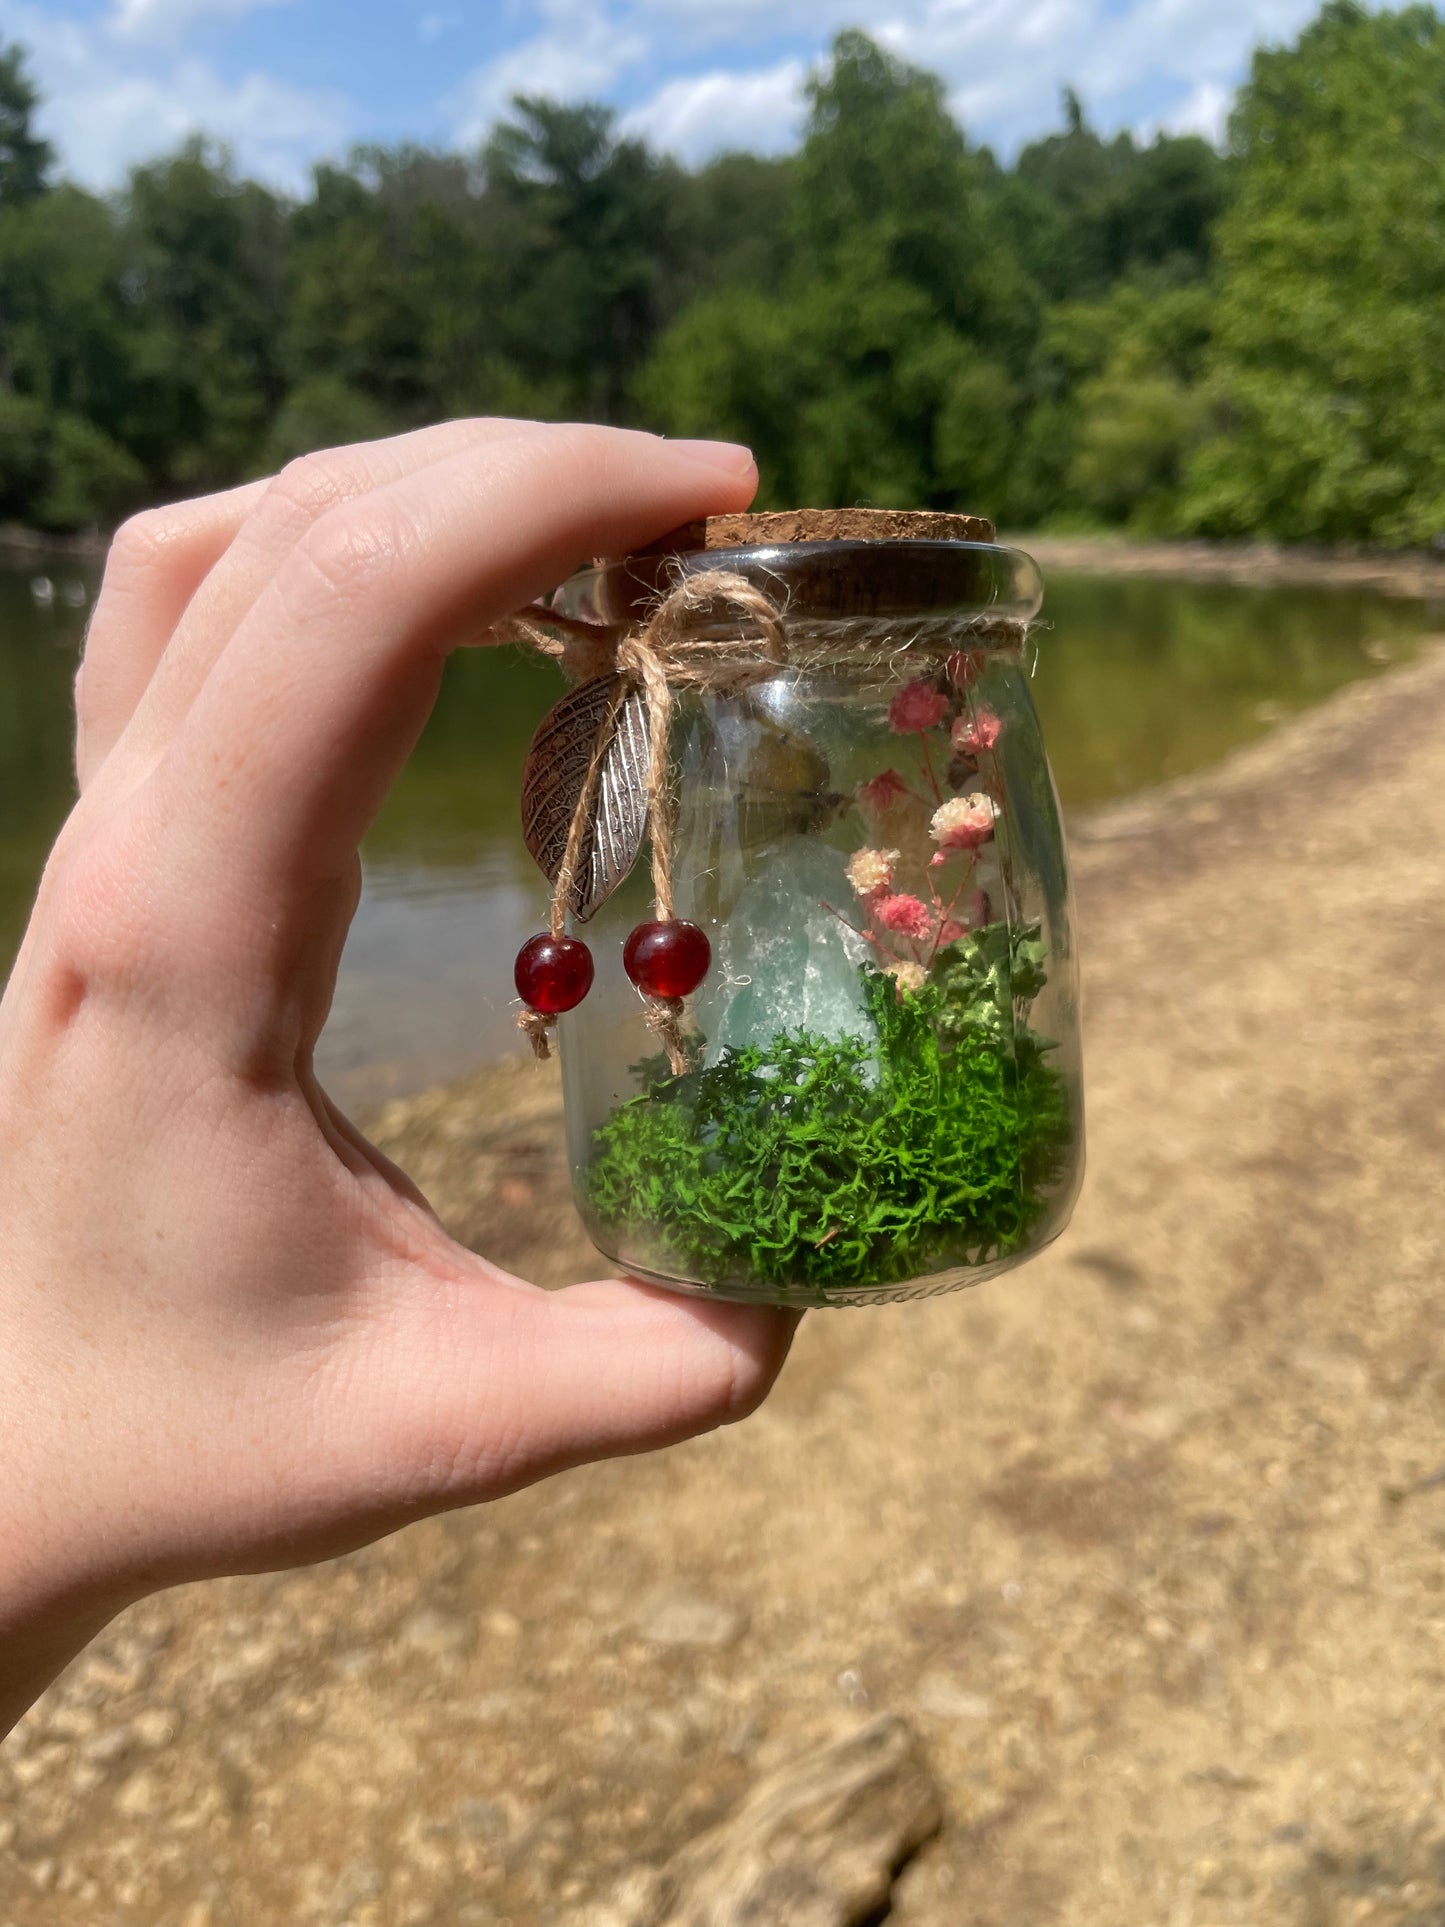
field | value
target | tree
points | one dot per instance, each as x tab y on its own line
579	225
203	284
1329	372
731	226
886	178
364	258
1091	211
25	159
65	350
880	369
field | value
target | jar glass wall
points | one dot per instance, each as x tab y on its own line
885	1096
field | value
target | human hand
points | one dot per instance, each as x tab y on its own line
232	1336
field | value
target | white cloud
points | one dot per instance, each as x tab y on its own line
705	22
581	52
107	106
1206	112
275	130
714	112
171	20
686	72
1149	64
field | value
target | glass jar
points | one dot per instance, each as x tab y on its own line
884	1099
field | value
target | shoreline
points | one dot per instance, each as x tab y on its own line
18	542
1407	573
1410	573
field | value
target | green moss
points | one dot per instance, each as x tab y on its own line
814	1162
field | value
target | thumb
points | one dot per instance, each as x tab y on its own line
490	1383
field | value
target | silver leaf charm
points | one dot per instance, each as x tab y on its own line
556	769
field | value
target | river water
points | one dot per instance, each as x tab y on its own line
1137	680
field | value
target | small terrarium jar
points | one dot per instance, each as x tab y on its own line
872	1090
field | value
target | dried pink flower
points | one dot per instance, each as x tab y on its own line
906	915
964	822
883	791
950	930
907	976
974	733
871	871
917	706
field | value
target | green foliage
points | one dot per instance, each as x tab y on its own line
1095	211
25	159
24	454
89	479
1327	383
1151	335
203	280
322	413
983	980
584	225
788	1166
60	469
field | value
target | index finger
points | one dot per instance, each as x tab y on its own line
287	752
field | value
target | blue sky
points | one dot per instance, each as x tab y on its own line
286	82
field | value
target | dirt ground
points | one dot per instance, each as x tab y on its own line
1146	1540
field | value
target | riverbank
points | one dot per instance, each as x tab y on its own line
1249	564
18	542
1409	573
1144	1540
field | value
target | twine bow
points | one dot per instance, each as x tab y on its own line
693	639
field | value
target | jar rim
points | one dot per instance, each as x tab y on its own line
833	579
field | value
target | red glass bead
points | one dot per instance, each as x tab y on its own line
667	959
553	974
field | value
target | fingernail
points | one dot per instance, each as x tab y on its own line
731	457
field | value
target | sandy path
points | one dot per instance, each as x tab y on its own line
1124	1534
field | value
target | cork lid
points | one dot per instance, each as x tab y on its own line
829	564
777	526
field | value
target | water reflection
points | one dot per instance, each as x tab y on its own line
1137	680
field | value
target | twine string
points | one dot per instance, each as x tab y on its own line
693	639
682	645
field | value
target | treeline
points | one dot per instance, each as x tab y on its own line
1154	336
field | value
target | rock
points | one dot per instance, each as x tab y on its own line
816	1844
109	1747
782	960
154	1728
438	1635
682	1621
139	1795
945	1700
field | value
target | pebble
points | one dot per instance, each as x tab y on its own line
245	1662
439	1635
684	1621
108	1747
940	1696
139	1794
156	1727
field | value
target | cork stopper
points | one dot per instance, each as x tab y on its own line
780	526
